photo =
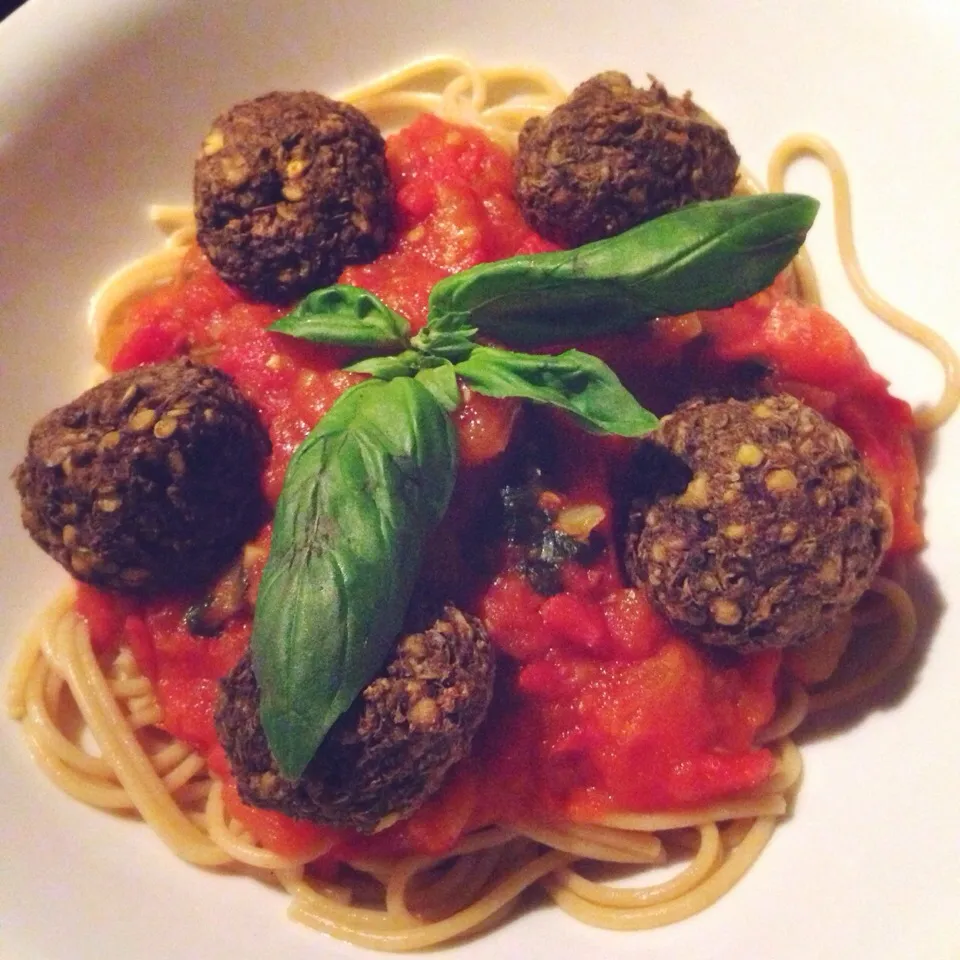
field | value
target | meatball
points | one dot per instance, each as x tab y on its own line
613	156
391	750
149	481
288	189
771	526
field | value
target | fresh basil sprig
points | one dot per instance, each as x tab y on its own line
700	257
360	498
573	381
366	488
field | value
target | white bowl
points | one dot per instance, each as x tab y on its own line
103	103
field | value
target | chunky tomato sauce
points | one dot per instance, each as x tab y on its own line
600	705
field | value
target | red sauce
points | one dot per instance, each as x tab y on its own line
600	705
455	209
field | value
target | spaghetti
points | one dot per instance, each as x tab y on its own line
420	901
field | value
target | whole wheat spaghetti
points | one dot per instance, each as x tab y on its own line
417	902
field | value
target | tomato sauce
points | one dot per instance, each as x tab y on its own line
599	706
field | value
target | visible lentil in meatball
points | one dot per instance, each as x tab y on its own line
150	481
391	750
771	527
289	188
614	155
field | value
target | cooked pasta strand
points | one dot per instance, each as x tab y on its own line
706	892
808	143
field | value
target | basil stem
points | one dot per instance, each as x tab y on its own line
450	336
702	256
573	381
360	498
346	316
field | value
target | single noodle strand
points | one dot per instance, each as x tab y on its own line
802	144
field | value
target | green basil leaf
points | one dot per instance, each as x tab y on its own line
346	316
702	256
577	382
404	364
360	498
440	379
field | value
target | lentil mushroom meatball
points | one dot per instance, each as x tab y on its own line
614	155
391	750
288	189
771	527
149	481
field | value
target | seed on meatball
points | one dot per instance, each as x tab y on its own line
770	526
289	188
614	155
148	482
391	750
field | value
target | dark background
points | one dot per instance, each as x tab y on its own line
8	6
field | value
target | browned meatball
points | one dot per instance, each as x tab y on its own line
289	189
774	529
394	746
614	155
150	481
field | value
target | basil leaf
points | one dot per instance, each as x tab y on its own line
700	257
577	382
346	316
404	364
360	498
440	379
